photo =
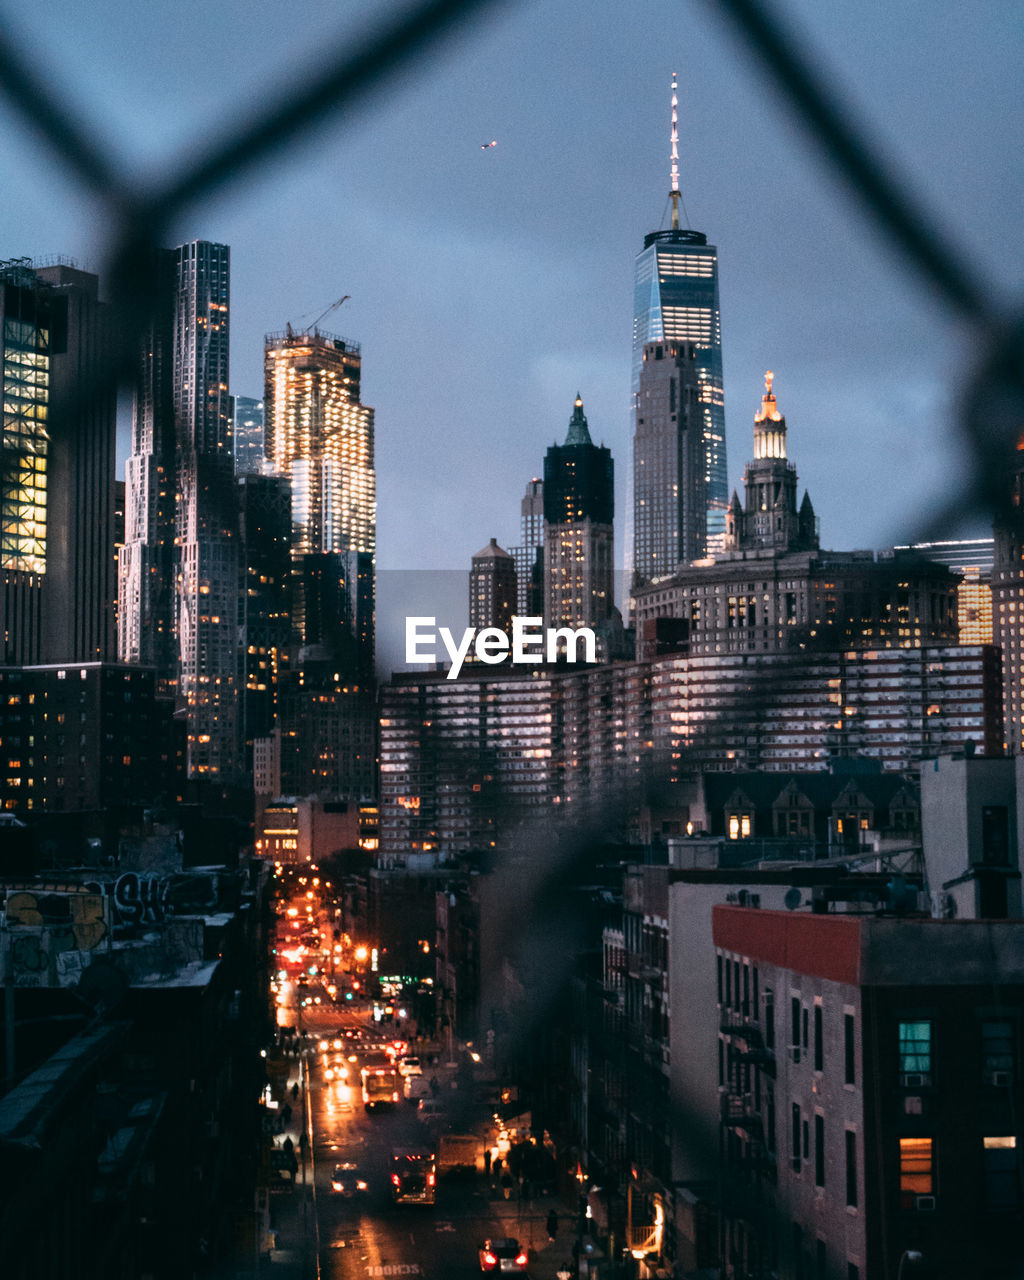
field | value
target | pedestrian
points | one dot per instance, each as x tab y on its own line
295	1089
286	1113
288	1146
434	1086
506	1185
552	1226
487	1162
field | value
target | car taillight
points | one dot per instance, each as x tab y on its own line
396	1179
521	1260
394	1096
430	1179
360	1186
490	1260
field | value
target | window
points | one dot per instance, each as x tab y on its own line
849	1050
917	1171
997	1047
916	1048
819	1043
796	1135
819	1151
852	1271
769	1018
805	1038
1001	1185
851	1168
794	1021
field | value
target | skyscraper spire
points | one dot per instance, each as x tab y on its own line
675	194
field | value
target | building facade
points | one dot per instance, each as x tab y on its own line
842	1046
529	554
493	589
675	298
669	471
56	467
247	435
579	511
180	567
773	590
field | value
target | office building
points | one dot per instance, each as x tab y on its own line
773	590
669	473
180	567
675	298
579	506
56	466
247	435
492	588
1008	608
265	525
529	554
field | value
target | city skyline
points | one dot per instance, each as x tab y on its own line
468	273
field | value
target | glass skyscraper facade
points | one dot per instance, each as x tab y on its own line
675	298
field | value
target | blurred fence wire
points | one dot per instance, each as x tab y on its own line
990	419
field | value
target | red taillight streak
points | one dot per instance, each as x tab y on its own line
521	1260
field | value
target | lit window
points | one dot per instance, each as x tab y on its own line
917	1171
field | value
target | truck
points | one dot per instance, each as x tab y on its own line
413	1175
459	1152
382	1087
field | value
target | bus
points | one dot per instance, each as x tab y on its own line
413	1175
382	1087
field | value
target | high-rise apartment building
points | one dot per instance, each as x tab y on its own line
675	298
669	473
180	568
529	554
579	506
56	466
1008	607
320	435
247	436
492	588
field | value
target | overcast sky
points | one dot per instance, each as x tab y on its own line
488	286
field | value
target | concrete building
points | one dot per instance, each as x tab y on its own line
493	589
869	1084
84	736
579	512
771	589
971	836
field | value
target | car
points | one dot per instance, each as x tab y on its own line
410	1067
503	1256
415	1088
349	1180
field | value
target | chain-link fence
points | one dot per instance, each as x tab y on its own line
539	924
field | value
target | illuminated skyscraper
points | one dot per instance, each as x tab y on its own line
180	566
675	298
529	554
669	479
56	467
320	437
247	436
579	505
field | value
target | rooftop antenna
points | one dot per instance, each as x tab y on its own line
675	195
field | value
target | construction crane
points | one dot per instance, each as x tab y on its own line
322	316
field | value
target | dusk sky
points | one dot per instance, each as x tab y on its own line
488	286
